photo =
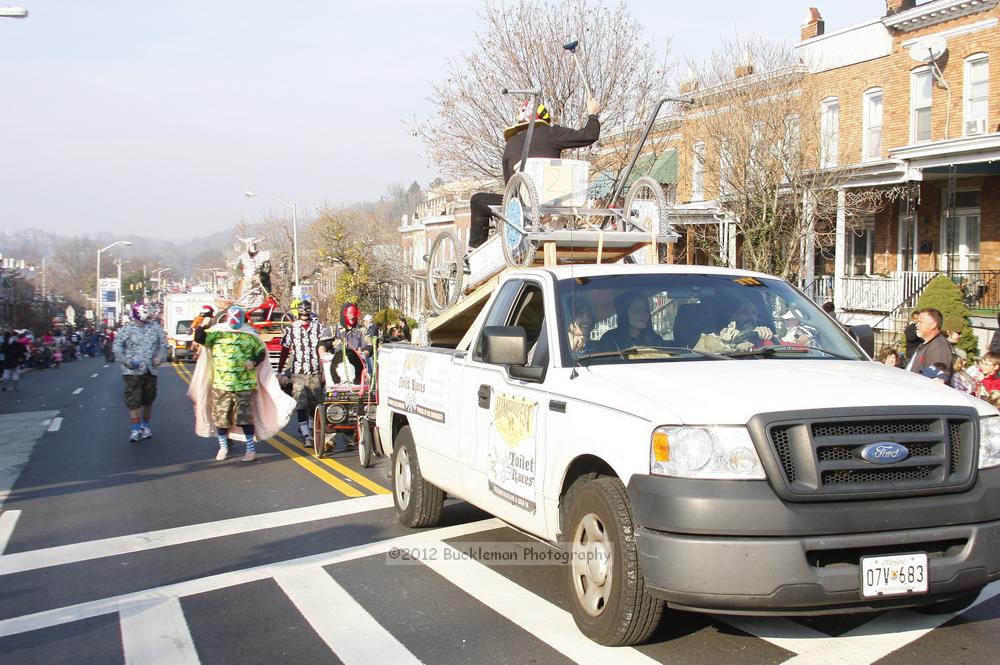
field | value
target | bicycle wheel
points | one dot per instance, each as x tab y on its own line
520	208
319	430
444	271
645	210
365	449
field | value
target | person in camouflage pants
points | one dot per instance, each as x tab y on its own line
236	350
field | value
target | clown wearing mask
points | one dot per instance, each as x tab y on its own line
233	386
140	347
354	347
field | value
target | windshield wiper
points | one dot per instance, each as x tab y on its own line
770	351
622	353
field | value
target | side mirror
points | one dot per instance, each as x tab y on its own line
865	336
505	345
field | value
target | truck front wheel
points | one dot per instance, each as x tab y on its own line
607	591
418	503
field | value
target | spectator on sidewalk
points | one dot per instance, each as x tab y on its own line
14	354
935	349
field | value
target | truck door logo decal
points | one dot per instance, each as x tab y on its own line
415	386
512	450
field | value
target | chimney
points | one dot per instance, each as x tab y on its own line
896	6
814	25
689	84
746	68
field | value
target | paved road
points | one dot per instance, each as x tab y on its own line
155	553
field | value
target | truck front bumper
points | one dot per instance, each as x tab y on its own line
779	558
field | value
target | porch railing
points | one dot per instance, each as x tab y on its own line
884	294
980	288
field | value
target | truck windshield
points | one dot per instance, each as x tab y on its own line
626	318
184	327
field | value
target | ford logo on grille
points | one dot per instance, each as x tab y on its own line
884	452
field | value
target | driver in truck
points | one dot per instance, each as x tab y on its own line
745	331
548	141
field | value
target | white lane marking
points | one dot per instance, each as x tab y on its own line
94	375
534	614
55	424
48	618
784	633
347	628
21	431
96	549
156	633
78	391
106	366
874	640
8	519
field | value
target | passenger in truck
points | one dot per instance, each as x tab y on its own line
634	324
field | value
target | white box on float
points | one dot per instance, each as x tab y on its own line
559	182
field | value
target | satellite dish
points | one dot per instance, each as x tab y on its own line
929	49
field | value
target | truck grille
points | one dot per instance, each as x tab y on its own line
819	458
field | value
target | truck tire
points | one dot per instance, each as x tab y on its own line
418	503
952	605
606	588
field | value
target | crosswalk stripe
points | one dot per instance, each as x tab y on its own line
8	519
875	639
346	627
96	549
547	622
55	424
93	608
156	633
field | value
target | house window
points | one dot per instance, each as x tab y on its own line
829	132
860	248
921	84
791	146
977	90
872	119
698	172
725	167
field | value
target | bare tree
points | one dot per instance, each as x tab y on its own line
755	142
520	45
73	266
364	248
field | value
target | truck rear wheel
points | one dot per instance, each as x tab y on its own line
607	592
418	503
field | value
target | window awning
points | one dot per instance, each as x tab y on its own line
662	168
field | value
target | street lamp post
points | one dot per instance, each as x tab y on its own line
295	233
97	311
159	282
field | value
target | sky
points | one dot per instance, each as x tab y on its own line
152	118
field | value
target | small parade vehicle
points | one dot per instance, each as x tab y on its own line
348	408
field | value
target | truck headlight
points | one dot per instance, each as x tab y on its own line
719	453
989	442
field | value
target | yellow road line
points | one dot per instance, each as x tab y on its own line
328	478
345	471
306	461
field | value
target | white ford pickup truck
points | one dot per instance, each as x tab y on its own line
698	438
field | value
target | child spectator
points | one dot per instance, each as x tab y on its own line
960	379
985	374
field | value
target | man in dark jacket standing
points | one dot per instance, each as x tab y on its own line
936	348
547	142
